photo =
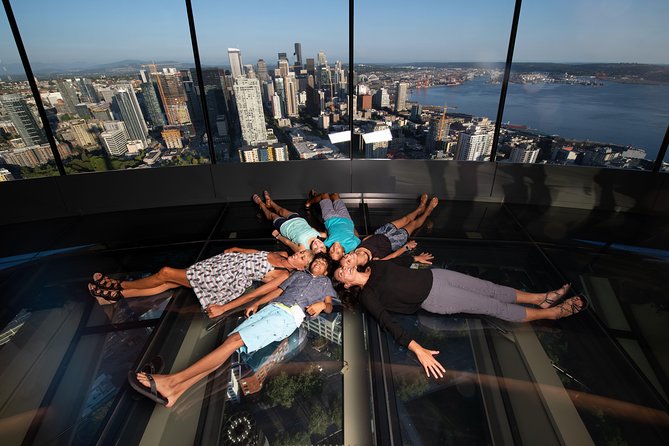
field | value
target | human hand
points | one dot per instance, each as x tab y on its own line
411	245
250	311
427	360
424	257
215	310
316	308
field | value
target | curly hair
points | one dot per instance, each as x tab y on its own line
328	261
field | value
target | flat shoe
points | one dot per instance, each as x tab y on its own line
150	393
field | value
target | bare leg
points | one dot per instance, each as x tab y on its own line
316	199
277	209
418	222
141	292
411	216
173	386
269	213
165	275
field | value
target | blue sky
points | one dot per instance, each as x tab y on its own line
88	32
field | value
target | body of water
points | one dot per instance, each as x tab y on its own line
614	113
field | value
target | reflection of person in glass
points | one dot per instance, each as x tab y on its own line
309	292
215	281
391	239
393	286
291	229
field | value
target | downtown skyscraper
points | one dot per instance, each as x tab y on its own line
24	121
131	114
249	107
236	65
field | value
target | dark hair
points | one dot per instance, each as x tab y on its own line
347	296
322	255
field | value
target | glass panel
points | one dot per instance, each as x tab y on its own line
275	96
435	91
583	92
24	149
291	391
111	105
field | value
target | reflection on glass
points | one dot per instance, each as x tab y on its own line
432	95
291	391
444	411
284	104
110	106
600	104
24	149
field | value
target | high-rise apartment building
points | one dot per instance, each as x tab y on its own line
401	96
475	143
276	107
322	60
82	134
284	67
236	65
527	154
114	142
250	110
131	114
23	119
381	98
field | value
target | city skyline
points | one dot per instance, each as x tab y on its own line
577	33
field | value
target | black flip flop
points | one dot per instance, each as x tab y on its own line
150	393
154	367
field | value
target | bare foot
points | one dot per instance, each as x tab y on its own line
102	281
163	387
268	199
552	297
569	307
423	200
433	204
256	199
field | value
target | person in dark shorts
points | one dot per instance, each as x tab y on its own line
391	239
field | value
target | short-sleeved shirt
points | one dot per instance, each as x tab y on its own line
298	231
341	230
378	245
303	288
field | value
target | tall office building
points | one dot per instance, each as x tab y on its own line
438	134
213	92
298	56
22	118
311	67
151	104
276	107
131	114
236	65
322	60
290	87
250	110
401	96
261	68
69	95
475	143
282	56
284	67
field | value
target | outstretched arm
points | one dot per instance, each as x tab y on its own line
408	247
424	257
427	360
267	298
216	310
294	247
